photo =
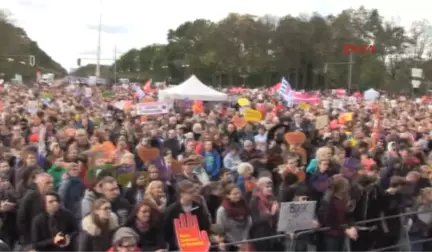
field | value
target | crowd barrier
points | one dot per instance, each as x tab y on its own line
403	244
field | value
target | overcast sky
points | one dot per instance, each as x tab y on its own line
67	30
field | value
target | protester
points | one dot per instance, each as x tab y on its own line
31	205
55	228
147	223
98	227
234	215
124	240
123	177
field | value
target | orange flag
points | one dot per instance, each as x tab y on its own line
198	107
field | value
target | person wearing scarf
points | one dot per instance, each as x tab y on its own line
234	215
264	213
146	222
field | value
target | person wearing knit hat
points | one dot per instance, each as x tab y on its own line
125	239
351	167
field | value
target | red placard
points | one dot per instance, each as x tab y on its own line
189	236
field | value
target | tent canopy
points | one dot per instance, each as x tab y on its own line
371	95
192	89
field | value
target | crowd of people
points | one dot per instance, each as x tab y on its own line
80	173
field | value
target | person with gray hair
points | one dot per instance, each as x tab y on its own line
125	239
31	205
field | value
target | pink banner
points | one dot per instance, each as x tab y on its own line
306	98
235	90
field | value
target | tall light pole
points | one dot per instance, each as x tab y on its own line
350	66
97	73
115	64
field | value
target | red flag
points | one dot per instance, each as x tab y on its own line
147	87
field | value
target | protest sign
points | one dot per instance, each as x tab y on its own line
147	154
304	106
295	216
243	102
198	107
239	122
345	117
189	236
252	115
32	107
88	92
321	122
152	108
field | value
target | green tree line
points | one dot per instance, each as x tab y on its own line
15	48
307	49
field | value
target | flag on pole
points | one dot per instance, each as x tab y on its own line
139	92
286	92
147	87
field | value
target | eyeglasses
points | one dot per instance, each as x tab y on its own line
129	246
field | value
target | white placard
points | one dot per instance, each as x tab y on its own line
88	92
152	108
415	83
417	73
294	216
32	107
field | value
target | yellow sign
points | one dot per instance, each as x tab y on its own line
345	117
243	102
125	178
252	115
304	106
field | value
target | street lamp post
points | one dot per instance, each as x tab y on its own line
98	55
185	66
138	62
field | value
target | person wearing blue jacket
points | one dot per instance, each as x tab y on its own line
212	160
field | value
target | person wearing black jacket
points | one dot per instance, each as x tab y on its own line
146	222
119	205
135	193
54	228
8	201
369	200
31	205
185	203
173	144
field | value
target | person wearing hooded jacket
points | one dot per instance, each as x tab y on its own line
91	195
71	190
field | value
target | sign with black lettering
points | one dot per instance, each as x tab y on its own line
295	216
152	108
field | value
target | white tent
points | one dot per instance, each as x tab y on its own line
192	89
371	95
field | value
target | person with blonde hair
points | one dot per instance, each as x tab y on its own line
155	194
323	153
98	227
245	180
